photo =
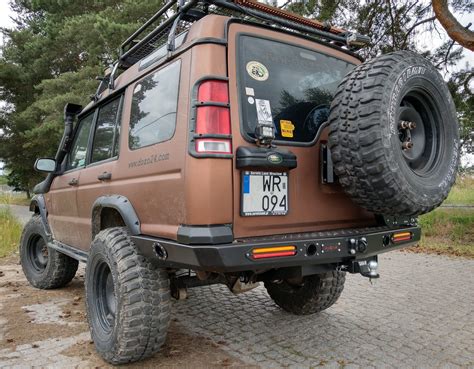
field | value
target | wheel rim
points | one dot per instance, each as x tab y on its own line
38	253
419	132
106	299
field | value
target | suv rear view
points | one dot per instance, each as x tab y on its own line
220	149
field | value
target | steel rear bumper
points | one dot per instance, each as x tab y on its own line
311	249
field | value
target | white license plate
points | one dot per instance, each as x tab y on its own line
264	193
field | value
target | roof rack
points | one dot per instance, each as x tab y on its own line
177	16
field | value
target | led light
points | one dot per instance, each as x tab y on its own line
402	236
272	252
213	146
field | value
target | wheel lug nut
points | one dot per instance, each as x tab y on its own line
407	145
405	124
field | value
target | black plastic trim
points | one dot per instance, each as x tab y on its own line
202	235
258	157
122	205
38	202
70	251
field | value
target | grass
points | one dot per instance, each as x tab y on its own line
447	231
462	193
9	198
10	232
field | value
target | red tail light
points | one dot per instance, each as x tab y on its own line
215	91
213	118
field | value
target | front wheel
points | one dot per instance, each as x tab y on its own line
127	299
43	267
311	295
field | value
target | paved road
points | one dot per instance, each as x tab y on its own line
420	314
21	212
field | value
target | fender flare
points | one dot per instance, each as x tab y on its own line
124	208
38	206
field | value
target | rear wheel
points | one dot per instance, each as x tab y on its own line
127	298
311	295
44	268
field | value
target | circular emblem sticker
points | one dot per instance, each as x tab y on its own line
257	70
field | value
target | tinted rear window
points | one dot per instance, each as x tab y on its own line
288	85
154	106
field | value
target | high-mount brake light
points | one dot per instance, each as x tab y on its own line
213	118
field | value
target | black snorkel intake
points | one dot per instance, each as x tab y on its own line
70	113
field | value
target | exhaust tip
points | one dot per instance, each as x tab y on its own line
160	251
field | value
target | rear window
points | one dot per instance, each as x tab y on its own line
154	106
290	86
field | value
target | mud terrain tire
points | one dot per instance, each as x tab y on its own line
43	267
127	299
316	293
366	135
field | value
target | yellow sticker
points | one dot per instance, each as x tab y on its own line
287	128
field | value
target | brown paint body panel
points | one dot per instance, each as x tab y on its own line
168	187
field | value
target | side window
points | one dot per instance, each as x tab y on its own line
154	105
78	154
105	144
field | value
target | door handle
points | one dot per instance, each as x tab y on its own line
104	176
73	182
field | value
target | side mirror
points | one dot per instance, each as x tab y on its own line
45	165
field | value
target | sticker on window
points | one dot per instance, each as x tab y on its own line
287	128
249	91
257	71
264	112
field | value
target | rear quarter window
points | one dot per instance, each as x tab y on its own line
288	85
154	107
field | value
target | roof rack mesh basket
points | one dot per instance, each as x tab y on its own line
176	16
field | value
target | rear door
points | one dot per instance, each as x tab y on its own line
286	82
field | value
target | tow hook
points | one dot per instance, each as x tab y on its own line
366	268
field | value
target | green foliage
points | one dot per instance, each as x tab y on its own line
53	57
10	232
462	193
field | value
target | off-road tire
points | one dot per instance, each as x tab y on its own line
137	328
366	139
316	293
43	267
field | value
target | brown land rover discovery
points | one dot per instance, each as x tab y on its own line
237	143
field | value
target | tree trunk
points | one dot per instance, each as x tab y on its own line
455	30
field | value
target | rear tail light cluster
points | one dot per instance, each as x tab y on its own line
273	252
213	118
401	236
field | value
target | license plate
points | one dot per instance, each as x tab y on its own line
264	193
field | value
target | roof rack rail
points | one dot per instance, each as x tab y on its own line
177	16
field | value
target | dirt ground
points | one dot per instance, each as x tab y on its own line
29	317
